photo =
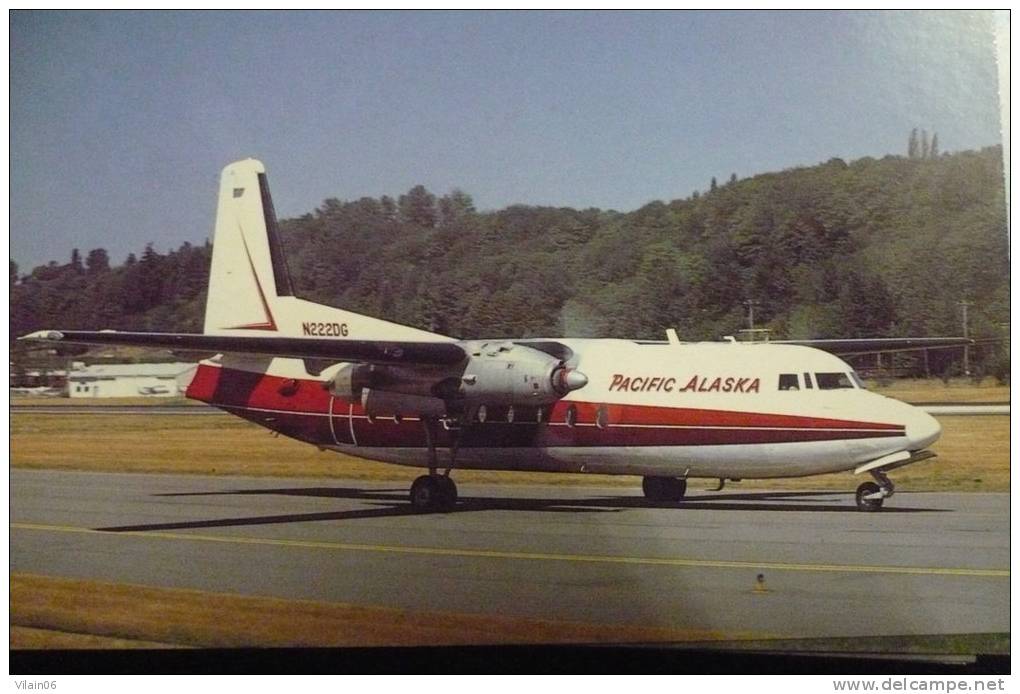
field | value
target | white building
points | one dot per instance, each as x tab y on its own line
129	380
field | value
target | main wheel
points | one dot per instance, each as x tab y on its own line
447	493
424	492
433	493
664	488
865	504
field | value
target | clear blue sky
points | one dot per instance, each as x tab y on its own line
121	122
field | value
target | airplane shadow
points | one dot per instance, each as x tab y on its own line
386	503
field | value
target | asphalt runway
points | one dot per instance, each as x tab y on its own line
929	563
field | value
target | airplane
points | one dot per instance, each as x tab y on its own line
667	411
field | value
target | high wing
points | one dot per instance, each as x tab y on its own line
339	350
856	346
872	345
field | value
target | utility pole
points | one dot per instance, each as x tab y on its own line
966	335
751	303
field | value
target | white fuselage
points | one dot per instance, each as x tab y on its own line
726	410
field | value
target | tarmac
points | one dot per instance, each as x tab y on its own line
928	563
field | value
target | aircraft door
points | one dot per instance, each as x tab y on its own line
341	421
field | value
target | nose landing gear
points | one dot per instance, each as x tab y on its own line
870	495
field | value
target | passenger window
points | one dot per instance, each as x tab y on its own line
788	382
807	381
602	417
571	417
833	381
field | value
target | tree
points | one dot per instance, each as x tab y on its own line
913	149
842	249
455	206
388	208
733	178
418	207
924	144
713	185
865	306
76	261
933	151
97	261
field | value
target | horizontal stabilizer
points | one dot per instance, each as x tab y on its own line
338	350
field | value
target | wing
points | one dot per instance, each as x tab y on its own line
368	351
872	345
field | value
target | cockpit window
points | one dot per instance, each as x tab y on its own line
832	381
857	379
807	381
789	382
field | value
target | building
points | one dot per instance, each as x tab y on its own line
129	380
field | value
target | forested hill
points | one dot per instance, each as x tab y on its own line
871	248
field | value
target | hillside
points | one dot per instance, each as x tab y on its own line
870	248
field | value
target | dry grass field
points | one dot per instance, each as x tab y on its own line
38	401
49	612
933	390
973	451
973	454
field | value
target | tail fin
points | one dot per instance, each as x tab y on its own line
248	269
250	289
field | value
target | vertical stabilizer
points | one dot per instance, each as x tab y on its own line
248	269
250	290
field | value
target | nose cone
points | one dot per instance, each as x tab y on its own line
922	429
574	379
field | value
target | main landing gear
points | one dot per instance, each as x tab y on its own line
870	495
434	492
664	488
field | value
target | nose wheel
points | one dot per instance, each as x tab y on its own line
870	495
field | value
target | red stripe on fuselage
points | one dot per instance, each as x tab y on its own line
301	408
651	415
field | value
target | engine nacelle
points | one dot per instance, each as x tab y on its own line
349	381
385	403
507	374
496	374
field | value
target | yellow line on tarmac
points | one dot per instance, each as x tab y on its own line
531	556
